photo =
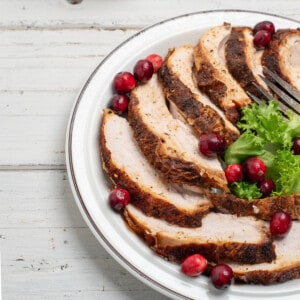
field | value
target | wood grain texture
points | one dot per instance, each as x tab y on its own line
47	51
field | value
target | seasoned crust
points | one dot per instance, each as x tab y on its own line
260	208
238	62
142	197
167	158
215	251
202	118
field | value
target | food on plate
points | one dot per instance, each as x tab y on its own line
212	178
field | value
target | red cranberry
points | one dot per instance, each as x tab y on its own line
280	224
119	198
254	169
143	70
156	61
221	276
124	82
296	145
211	144
234	172
264	25
266	187
262	38
119	103
193	265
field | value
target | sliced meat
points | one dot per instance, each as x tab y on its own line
282	56
244	60
221	237
169	144
128	168
285	267
261	208
179	87
212	74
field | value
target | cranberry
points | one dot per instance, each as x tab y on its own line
156	61
211	144
221	276
266	187
193	265
254	169
124	82
234	172
119	198
143	70
264	25
280	224
262	38
119	103
296	145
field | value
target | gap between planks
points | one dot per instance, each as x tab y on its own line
14	168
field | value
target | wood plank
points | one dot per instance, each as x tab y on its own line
119	13
46	247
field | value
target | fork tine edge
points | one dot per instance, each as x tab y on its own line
289	102
254	98
290	89
266	94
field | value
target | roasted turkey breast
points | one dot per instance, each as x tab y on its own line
169	144
221	237
128	168
282	56
176	76
212	75
244	60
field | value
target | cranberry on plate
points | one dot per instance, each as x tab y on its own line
296	145
234	173
262	38
221	276
143	70
119	103
156	61
254	169
119	198
264	25
124	82
266	187
280	224
211	144
194	265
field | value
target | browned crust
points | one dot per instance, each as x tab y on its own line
143	199
269	277
245	253
174	169
236	60
260	208
271	58
202	118
213	88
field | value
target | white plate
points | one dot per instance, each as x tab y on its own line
90	186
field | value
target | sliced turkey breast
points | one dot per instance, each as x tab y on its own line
221	237
282	56
179	87
128	168
169	144
285	267
244	60
212	74
260	208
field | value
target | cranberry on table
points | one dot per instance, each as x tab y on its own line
221	276
254	169
156	61
119	198
194	265
264	25
280	224
266	187
296	146
124	82
262	38
211	144
119	103
234	173
143	70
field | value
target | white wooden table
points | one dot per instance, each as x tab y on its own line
47	50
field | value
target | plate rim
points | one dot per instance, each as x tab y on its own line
79	199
